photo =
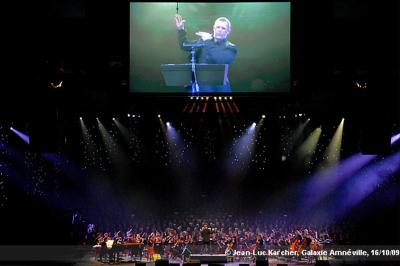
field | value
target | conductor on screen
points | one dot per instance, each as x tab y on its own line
215	48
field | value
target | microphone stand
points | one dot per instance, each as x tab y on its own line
185	251
193	46
195	85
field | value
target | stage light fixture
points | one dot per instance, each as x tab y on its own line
215	98
158	115
220	98
263	116
129	115
225	98
230	98
80	118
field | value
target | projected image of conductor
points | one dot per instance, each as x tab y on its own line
211	48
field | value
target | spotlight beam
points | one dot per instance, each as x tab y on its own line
21	135
241	153
307	148
332	153
364	183
113	149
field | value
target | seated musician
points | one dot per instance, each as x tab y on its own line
103	243
151	239
296	241
99	241
117	246
315	245
129	236
259	242
189	239
99	238
138	247
158	243
118	238
288	239
241	245
230	248
306	241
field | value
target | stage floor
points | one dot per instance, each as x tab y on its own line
271	262
125	259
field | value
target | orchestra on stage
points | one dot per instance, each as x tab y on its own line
177	244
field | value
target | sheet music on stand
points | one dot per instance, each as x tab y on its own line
207	74
110	243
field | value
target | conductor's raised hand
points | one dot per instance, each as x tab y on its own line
180	23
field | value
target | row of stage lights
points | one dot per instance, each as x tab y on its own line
295	115
159	116
220	98
129	115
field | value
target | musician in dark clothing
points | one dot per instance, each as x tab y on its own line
305	243
102	240
259	242
158	247
206	236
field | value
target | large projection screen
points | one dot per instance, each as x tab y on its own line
260	34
